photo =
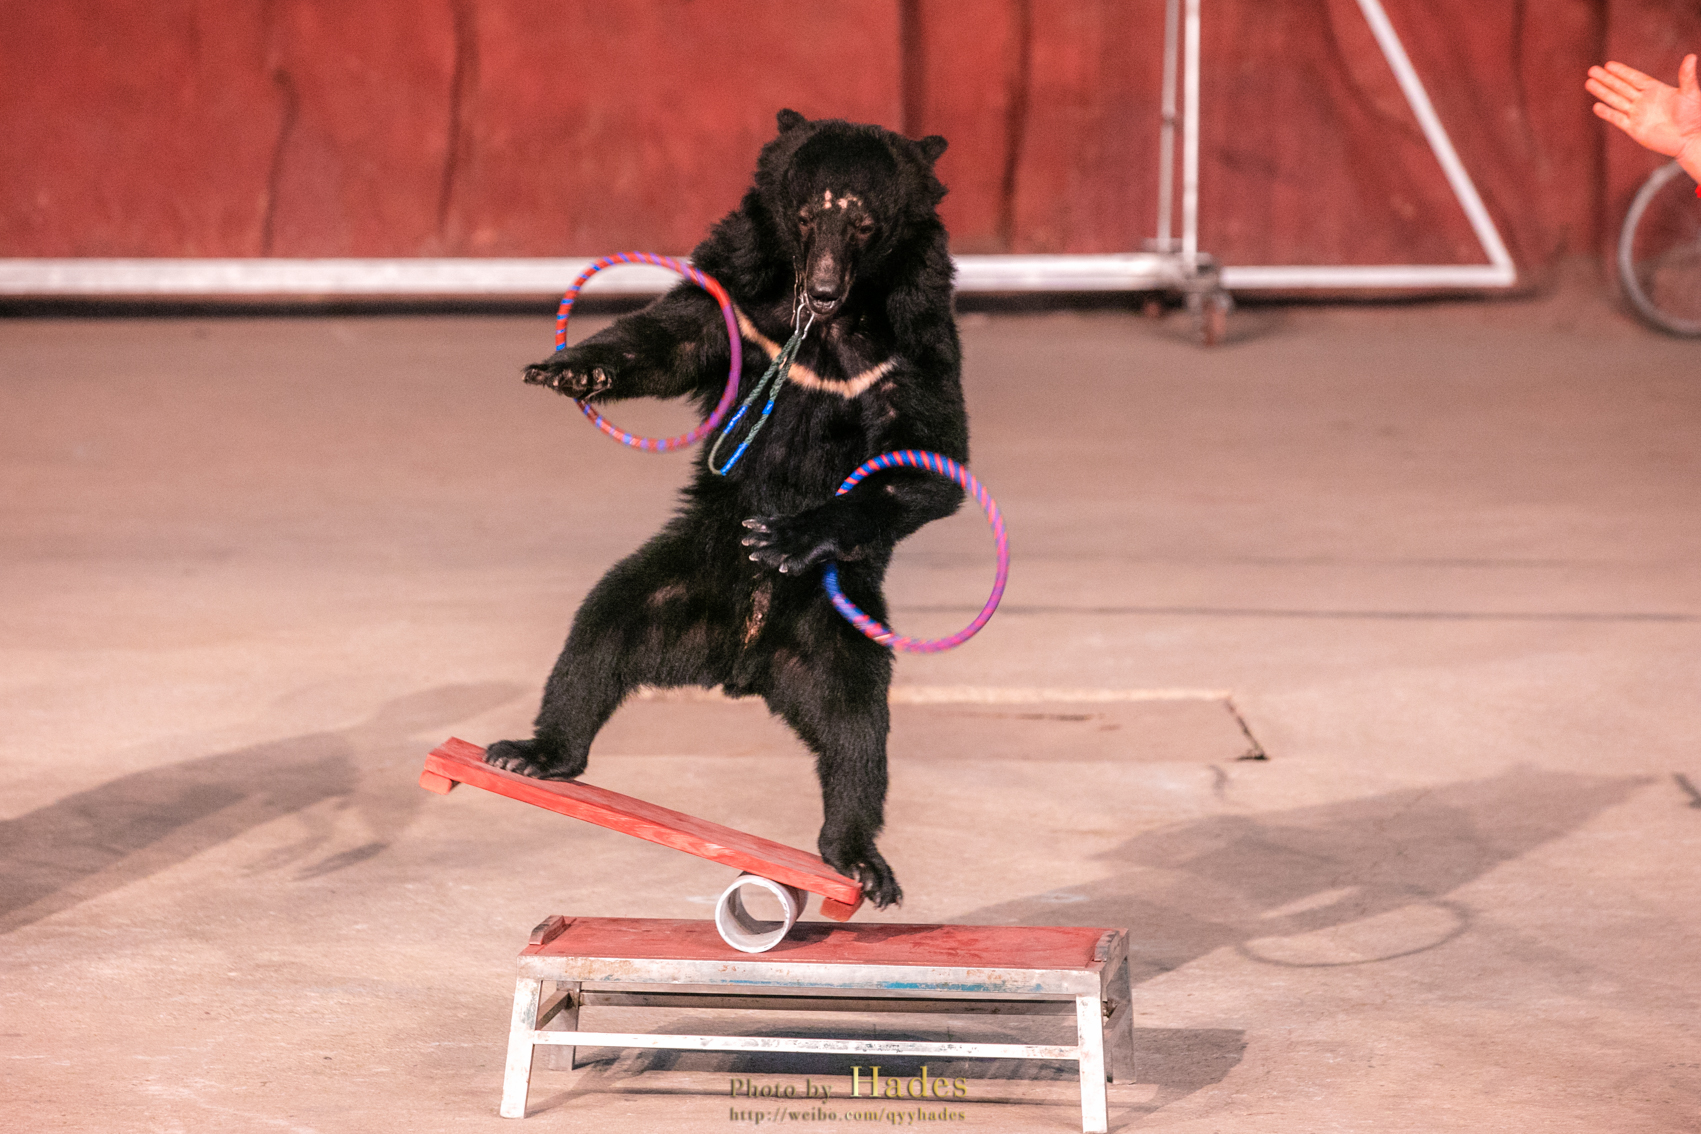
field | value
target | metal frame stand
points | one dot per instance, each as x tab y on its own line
948	969
1166	264
1205	284
1195	274
1500	271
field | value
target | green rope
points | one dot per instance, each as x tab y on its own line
776	373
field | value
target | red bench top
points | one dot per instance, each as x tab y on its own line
813	942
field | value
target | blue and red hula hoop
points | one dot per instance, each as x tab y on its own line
906	458
944	466
734	372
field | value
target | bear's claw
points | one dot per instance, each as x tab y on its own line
790	544
529	758
868	867
576	384
579	372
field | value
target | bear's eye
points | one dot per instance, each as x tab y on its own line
865	228
803	219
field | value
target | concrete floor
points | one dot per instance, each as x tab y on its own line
1442	556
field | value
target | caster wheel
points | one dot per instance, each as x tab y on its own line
1210	315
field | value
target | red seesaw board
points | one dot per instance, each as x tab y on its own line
457	762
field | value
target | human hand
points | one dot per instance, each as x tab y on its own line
1665	119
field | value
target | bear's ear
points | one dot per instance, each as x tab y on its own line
931	147
790	120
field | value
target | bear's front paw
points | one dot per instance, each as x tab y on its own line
533	758
580	372
792	544
858	859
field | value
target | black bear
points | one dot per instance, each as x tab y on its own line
840	226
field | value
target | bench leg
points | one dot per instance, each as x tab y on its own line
1119	1026
1089	1027
517	1079
562	1016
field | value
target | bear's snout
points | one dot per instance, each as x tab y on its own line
826	282
825	289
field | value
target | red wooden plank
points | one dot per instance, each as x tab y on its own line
431	781
549	929
462	762
984	946
838	911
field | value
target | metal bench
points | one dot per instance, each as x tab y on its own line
821	967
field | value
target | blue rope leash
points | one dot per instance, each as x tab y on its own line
776	373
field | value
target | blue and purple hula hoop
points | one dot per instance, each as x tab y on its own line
734	372
946	467
907	458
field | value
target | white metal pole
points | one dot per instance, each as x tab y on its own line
1190	144
1166	132
1395	52
418	279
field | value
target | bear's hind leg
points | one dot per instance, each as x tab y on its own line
585	687
631	631
841	714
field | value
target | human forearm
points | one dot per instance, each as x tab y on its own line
1690	159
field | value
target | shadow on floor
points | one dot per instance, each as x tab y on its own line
1178	1061
1383	865
130	828
1387	862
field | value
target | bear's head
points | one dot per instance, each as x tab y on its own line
844	200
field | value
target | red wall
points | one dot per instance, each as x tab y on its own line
520	127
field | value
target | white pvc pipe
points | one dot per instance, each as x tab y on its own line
749	934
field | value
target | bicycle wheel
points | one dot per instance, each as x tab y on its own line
1659	252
